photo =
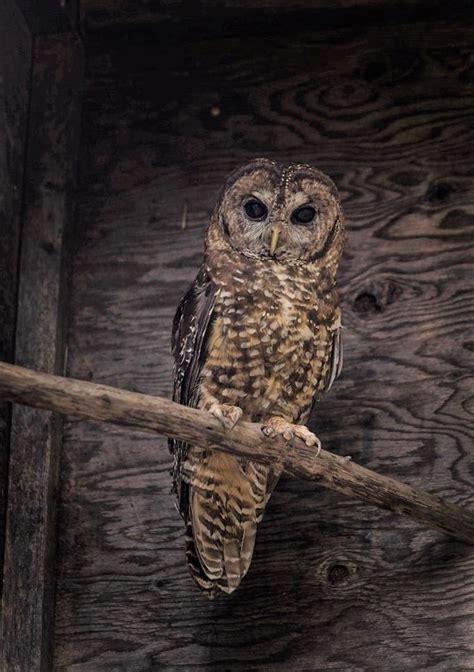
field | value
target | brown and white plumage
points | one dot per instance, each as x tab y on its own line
258	336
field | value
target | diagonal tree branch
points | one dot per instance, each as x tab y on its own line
156	414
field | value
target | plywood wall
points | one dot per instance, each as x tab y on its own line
388	112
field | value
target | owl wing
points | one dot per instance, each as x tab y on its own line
191	327
336	355
333	365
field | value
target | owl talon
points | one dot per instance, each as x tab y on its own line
276	426
228	415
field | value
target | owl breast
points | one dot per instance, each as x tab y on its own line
269	346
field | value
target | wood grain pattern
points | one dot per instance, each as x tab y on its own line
389	114
226	15
28	592
15	69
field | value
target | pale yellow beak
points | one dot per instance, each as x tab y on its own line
275	236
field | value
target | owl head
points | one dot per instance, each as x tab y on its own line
280	214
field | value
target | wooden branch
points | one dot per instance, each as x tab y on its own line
156	414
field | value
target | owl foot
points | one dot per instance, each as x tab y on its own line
276	426
228	415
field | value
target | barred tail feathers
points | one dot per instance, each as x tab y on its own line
226	502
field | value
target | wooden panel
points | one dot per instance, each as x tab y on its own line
49	16
227	15
334	584
28	596
15	64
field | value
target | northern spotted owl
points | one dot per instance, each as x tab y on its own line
258	337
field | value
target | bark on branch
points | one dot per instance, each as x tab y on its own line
156	414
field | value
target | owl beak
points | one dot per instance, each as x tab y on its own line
275	236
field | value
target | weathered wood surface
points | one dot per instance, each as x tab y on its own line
226	15
91	401
29	580
49	16
333	585
15	69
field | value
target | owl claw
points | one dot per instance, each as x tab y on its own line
276	426
228	415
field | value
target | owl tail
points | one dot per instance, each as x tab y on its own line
227	501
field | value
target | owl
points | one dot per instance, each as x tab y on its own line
258	337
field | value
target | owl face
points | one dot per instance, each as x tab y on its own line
280	214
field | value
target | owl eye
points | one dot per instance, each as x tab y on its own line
303	215
254	209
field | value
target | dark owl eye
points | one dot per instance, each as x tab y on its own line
303	215
255	209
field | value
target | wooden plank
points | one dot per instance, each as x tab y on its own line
28	595
389	114
232	15
49	16
15	70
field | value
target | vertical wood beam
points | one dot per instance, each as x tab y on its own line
53	133
15	71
